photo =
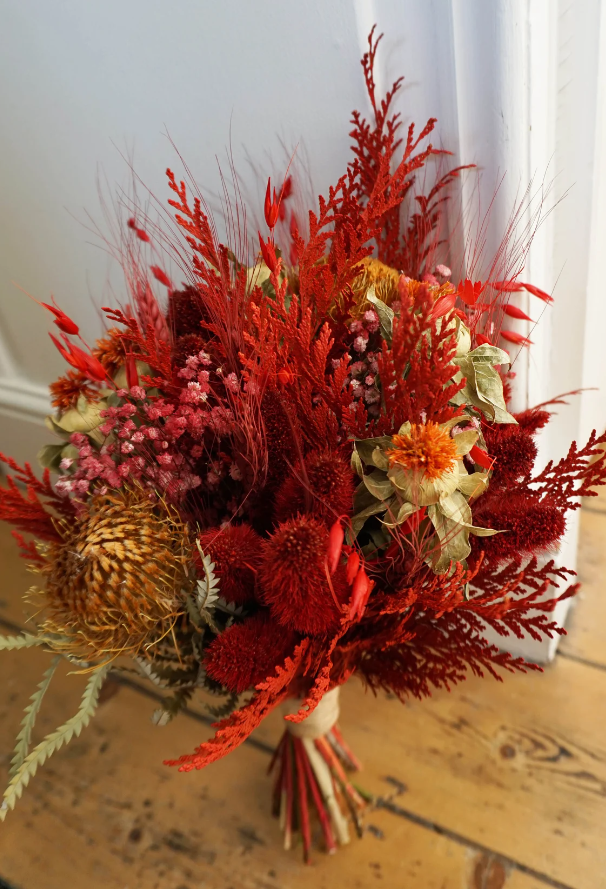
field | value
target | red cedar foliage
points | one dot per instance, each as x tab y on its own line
230	732
26	511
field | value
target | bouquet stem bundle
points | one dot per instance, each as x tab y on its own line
310	763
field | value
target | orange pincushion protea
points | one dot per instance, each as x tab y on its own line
116	580
428	448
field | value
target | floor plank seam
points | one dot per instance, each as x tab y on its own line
581	660
461	840
379	802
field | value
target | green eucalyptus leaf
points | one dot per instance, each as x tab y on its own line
473	485
379	485
356	464
464	441
404	512
386	315
380	459
366	446
50	456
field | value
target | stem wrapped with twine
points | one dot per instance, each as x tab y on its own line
311	760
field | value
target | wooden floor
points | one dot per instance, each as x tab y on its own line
494	785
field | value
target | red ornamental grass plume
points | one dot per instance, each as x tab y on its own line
529	524
247	653
295	581
325	489
236	552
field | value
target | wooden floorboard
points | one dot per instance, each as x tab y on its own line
492	786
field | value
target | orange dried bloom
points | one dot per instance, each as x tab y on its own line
115	583
67	389
110	351
427	449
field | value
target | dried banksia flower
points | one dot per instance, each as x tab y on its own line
115	582
236	552
247	653
325	489
295	581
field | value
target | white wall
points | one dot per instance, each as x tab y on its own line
518	87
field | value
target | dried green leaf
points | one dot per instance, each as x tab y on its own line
379	485
54	741
386	315
10	643
29	717
356	464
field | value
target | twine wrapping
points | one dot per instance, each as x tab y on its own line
319	722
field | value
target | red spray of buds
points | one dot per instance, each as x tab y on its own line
516	338
359	594
515	312
353	563
269	255
470	291
335	545
62	321
272	207
140	232
132	374
161	276
76	357
483	340
481	457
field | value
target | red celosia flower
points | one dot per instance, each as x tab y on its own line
530	524
514	452
236	552
294	578
247	653
325	489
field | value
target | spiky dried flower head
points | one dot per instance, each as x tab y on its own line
185	311
295	581
236	552
427	449
247	653
110	351
66	391
187	345
116	581
530	524
374	273
323	487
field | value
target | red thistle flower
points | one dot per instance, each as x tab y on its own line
247	653
295	580
185	311
325	489
513	450
235	550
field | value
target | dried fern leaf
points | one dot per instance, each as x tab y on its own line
207	592
171	706
29	718
54	741
26	640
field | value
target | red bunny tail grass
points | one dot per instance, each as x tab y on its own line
325	489
529	525
236	552
294	577
247	653
513	450
186	311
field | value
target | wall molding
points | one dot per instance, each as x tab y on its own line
22	400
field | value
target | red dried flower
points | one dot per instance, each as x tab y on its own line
294	578
185	311
236	552
248	653
325	489
530	525
187	345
